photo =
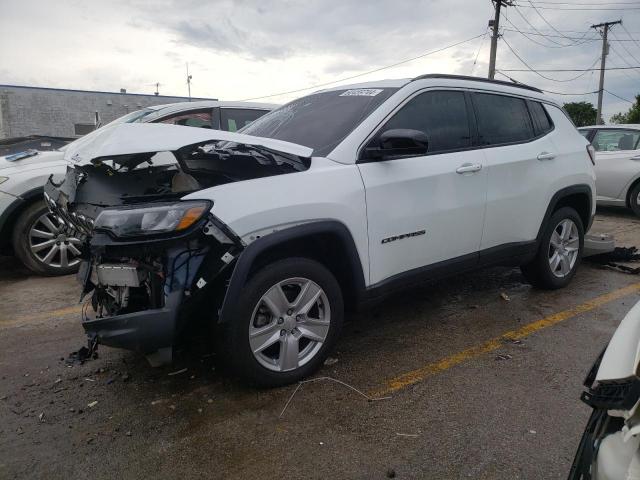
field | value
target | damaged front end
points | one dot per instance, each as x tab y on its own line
151	260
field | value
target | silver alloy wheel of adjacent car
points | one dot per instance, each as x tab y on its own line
289	324
564	247
53	243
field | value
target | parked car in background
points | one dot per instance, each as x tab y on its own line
43	242
617	164
610	446
341	196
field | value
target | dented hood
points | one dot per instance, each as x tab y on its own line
133	138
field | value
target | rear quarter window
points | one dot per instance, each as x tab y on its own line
541	120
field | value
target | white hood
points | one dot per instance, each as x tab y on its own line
620	361
130	138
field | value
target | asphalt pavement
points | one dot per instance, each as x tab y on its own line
478	376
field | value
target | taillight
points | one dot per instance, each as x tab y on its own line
592	153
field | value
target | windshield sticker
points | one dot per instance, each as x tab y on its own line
361	92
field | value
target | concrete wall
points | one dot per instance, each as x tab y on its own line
48	111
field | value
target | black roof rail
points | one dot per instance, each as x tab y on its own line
477	79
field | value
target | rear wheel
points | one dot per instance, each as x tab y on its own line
43	243
559	253
289	318
634	199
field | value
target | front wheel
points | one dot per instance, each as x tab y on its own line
559	253
289	317
44	244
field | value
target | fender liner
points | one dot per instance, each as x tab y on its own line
559	195
248	256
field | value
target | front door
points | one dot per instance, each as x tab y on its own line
426	209
615	149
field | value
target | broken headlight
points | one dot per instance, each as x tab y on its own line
153	219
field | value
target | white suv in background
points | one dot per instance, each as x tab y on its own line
333	199
38	239
617	164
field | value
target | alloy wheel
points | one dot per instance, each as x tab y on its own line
289	324
52	243
564	247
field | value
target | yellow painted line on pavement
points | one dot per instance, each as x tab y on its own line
419	374
40	316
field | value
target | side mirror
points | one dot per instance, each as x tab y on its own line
399	142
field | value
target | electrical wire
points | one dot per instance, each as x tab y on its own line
593	39
533	40
319	85
629	35
625	49
546	91
568	69
550	25
535	29
473	67
583	3
581	8
617	96
583	72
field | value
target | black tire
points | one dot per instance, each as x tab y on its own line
236	348
538	272
20	240
634	199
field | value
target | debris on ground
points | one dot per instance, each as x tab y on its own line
41	417
532	432
619	254
329	379
177	372
391	473
503	356
505	297
90	352
330	361
407	434
92	404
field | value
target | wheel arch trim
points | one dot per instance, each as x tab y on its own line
250	254
564	193
8	217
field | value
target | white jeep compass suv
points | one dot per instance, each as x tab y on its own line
338	197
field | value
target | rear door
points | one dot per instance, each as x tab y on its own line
426	209
520	163
616	150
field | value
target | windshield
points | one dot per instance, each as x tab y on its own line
321	120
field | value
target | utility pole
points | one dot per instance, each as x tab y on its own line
157	92
605	50
495	24
189	81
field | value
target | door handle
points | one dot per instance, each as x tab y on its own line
469	168
546	156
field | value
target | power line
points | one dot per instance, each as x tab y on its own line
533	40
473	67
550	25
618	96
319	85
581	8
546	91
584	3
629	35
568	69
583	71
538	31
590	39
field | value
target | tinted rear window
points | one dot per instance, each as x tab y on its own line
502	119
321	120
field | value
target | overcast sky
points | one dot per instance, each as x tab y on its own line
244	49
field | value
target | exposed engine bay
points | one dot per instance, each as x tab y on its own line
148	256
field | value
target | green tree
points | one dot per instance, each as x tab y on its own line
582	113
631	116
